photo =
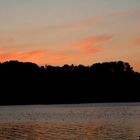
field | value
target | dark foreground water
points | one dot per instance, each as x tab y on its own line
71	122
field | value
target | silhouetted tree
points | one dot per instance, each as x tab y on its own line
28	83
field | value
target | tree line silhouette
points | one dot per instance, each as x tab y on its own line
28	83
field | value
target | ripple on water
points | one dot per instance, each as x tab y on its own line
107	122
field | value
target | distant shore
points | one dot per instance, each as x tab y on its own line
27	83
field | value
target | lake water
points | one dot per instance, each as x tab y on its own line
114	121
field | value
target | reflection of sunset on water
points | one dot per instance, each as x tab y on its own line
70	122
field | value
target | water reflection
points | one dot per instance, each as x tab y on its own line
67	131
88	122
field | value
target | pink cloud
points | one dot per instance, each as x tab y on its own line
137	42
59	56
33	56
91	43
87	46
37	56
57	59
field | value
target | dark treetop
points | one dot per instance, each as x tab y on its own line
28	83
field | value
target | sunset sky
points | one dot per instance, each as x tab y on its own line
57	32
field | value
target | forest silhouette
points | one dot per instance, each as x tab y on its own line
28	83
